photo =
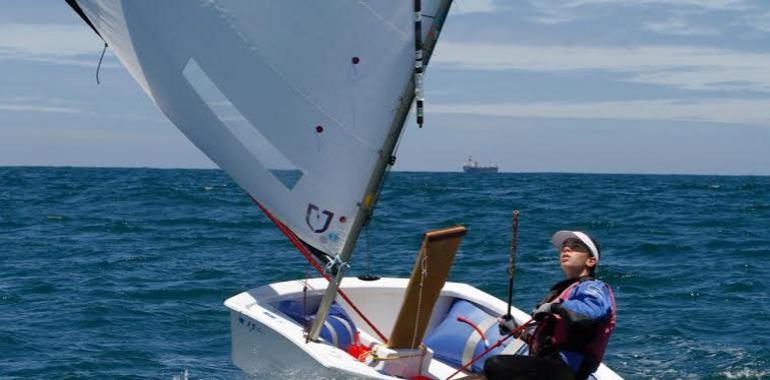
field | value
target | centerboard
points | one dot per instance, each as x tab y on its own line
430	273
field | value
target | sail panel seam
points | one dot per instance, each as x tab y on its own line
220	104
404	35
254	46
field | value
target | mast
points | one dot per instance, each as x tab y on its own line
340	265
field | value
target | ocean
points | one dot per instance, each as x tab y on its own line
121	273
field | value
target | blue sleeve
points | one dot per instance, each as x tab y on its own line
590	301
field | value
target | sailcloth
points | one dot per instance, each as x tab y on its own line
292	98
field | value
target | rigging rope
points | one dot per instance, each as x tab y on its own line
476	328
367	276
309	257
423	274
305	322
368	253
99	65
492	347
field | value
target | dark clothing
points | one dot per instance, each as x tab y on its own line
518	367
588	306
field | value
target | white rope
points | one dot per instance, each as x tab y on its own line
423	274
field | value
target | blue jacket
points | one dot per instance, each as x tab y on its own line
588	309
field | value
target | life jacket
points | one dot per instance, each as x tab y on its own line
552	333
549	335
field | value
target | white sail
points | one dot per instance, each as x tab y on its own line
312	86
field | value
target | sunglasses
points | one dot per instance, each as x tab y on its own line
575	245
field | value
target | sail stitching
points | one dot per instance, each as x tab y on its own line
404	35
257	50
231	118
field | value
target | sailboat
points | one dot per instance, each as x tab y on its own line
302	104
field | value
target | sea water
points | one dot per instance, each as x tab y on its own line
121	273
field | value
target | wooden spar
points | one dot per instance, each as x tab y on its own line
378	174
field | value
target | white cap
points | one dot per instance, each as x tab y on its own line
560	236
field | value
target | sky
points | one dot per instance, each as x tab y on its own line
588	86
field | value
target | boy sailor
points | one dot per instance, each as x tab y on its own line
575	320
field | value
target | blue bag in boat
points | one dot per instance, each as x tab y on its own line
456	342
339	330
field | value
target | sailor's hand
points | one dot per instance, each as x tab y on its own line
544	308
506	323
524	334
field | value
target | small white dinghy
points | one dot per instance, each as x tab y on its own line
420	328
265	341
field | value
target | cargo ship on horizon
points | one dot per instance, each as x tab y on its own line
472	166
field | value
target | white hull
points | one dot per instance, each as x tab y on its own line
268	344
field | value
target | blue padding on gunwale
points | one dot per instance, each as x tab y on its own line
339	330
449	339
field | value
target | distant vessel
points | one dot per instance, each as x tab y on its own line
472	166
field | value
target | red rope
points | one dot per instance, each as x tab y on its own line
488	350
478	330
309	257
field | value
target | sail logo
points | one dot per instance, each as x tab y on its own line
318	220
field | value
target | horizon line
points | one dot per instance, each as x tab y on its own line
2	166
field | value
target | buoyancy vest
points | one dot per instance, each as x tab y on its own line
552	332
549	335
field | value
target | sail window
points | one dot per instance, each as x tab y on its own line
258	145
